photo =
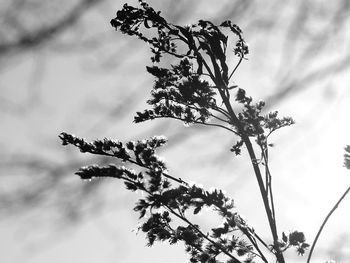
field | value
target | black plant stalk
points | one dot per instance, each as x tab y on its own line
181	93
263	191
324	223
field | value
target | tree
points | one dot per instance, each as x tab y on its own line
196	90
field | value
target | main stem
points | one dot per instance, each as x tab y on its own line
272	223
263	192
222	87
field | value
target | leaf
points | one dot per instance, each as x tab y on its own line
130	186
284	237
296	238
197	210
142	213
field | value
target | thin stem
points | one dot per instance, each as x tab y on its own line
218	118
177	55
178	180
198	122
199	56
203	235
324	223
222	111
218	125
261	241
183	218
236	67
209	124
252	240
264	195
265	153
205	64
263	190
220	83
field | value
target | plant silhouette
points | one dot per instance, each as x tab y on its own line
197	90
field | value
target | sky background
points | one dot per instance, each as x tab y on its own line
64	68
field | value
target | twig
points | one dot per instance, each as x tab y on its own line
254	243
236	67
324	223
198	122
203	235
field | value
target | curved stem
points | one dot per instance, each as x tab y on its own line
222	111
324	223
236	67
218	118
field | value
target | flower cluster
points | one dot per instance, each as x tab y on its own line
143	151
179	200
188	90
163	202
201	36
179	93
294	239
253	122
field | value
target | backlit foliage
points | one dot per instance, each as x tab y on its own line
196	89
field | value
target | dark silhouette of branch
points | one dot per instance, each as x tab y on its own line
324	223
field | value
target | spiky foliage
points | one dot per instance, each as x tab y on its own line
196	89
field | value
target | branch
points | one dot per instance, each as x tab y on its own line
263	190
222	111
178	180
261	241
269	192
252	240
198	122
234	70
203	235
324	223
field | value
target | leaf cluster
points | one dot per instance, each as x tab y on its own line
179	93
294	239
196	89
163	202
